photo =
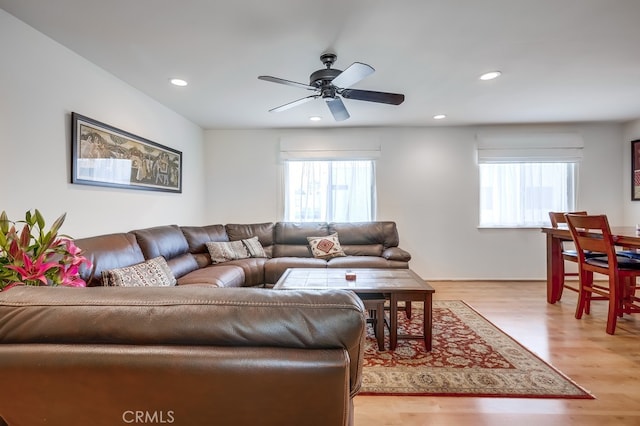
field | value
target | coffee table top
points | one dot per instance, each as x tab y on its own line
367	280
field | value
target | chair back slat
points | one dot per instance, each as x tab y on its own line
591	233
559	217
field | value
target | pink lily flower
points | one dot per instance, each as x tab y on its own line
68	276
73	249
74	254
33	271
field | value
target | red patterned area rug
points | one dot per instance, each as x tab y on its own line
470	357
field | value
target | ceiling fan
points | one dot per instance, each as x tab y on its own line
331	84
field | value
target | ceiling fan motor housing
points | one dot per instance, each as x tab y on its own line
323	77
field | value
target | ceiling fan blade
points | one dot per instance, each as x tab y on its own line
371	96
287	82
356	72
294	103
337	108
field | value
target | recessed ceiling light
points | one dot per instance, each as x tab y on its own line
439	116
178	82
315	118
490	75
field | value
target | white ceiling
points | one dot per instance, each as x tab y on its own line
562	60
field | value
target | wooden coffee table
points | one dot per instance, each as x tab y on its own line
399	285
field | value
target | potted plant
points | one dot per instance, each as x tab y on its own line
33	256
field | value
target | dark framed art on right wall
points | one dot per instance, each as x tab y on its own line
635	170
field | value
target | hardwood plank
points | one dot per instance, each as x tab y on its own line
607	366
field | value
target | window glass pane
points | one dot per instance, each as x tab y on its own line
329	191
523	194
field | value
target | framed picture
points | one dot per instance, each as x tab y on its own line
635	170
105	156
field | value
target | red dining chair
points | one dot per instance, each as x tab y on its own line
592	233
570	255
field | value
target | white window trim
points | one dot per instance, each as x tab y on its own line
329	148
529	147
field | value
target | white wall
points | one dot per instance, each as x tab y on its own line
41	83
427	182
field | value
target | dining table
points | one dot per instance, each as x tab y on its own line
624	236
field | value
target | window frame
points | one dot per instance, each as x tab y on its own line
373	205
571	196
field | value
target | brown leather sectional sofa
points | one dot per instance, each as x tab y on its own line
182	355
192	354
367	245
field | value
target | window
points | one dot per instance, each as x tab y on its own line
329	191
526	174
521	194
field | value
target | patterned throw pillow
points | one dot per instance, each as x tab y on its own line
326	247
151	273
254	247
224	251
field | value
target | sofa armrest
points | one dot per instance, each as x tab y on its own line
396	253
184	354
187	316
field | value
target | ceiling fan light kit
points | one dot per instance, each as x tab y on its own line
333	84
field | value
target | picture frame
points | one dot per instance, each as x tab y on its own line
103	155
635	170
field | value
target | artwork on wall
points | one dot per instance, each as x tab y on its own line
105	156
635	170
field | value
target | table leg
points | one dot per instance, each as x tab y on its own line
554	268
380	325
407	309
393	321
427	323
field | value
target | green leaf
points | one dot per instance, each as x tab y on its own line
57	224
39	219
4	222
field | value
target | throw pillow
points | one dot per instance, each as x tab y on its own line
151	273
225	251
254	247
326	247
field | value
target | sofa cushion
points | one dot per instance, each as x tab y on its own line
325	247
219	275
198	236
169	242
375	234
166	241
264	232
224	251
107	252
150	273
290	238
253	268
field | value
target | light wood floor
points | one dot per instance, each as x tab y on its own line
607	366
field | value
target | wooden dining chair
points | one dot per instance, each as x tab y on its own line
568	254
592	233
